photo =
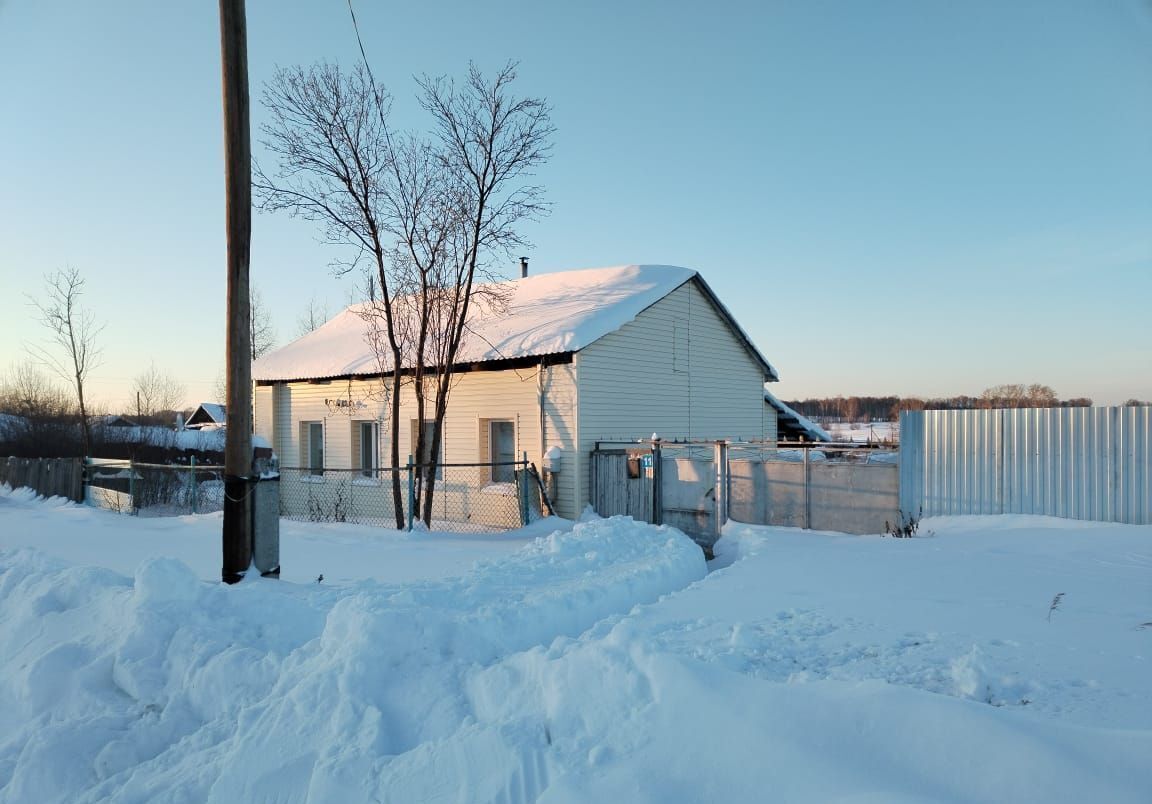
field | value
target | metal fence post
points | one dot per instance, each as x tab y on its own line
807	492
131	486
657	484
192	477
522	490
411	492
720	498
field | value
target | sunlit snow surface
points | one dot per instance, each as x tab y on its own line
586	662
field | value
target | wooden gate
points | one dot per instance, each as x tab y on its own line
673	484
623	483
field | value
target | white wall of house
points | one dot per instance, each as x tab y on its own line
677	370
477	399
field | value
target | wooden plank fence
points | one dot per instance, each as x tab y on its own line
49	477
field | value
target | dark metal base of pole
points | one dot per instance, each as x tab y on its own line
237	533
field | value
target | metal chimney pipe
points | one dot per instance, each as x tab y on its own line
523	267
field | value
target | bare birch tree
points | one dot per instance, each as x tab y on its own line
486	144
328	132
74	331
431	215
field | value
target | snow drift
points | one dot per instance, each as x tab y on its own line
165	688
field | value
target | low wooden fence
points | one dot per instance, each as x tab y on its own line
49	477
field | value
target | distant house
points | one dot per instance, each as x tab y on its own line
206	415
792	426
116	421
576	357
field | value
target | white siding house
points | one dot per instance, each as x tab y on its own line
577	357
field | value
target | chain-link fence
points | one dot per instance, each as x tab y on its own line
152	489
465	497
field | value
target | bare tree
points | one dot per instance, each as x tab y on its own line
328	131
74	331
263	333
486	144
313	317
47	415
1016	395
157	392
431	215
31	394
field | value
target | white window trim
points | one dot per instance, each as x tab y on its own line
492	448
306	450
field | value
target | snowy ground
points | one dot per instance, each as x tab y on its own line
864	432
599	662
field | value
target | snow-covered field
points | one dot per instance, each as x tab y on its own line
864	432
596	661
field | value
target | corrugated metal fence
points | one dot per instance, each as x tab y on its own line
1077	463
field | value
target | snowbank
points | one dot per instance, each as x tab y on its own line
599	664
164	688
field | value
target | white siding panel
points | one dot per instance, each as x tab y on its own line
476	396
262	413
637	381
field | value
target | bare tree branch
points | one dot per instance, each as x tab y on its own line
263	333
328	132
433	215
74	331
157	392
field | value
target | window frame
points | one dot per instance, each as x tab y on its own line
372	443
308	451
492	456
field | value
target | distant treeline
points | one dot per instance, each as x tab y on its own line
887	408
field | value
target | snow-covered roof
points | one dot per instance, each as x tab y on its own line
795	421
207	413
545	314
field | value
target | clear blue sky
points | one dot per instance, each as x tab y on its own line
909	197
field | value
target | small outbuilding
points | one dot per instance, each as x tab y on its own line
207	415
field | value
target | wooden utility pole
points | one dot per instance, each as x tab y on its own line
237	536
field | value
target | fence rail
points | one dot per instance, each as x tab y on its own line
153	489
49	477
1077	463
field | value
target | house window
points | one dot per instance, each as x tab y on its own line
425	455
312	447
502	450
365	447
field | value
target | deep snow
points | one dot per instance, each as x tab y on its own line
597	662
